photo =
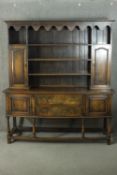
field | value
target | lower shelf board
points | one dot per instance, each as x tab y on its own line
57	139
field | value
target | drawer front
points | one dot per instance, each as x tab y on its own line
58	105
59	99
99	105
59	110
19	105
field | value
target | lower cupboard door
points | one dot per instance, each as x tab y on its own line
18	105
99	105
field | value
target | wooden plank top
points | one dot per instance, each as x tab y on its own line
56	91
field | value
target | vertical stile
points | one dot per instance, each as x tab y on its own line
27	47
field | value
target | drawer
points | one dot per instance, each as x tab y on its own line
98	105
18	105
58	110
59	99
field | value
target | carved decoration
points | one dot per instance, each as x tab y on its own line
59	25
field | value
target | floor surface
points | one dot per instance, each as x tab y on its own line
30	158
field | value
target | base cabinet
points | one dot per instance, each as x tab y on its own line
36	105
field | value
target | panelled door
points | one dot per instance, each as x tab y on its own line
18	66
101	60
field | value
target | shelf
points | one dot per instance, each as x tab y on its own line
57	44
61	44
63	86
58	59
59	74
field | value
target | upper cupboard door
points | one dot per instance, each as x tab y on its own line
18	66
101	63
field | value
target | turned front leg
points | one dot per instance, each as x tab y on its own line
14	124
9	135
21	121
109	131
105	126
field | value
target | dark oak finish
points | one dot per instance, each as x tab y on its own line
59	70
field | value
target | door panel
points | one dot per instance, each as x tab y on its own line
20	105
101	66
18	66
98	105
